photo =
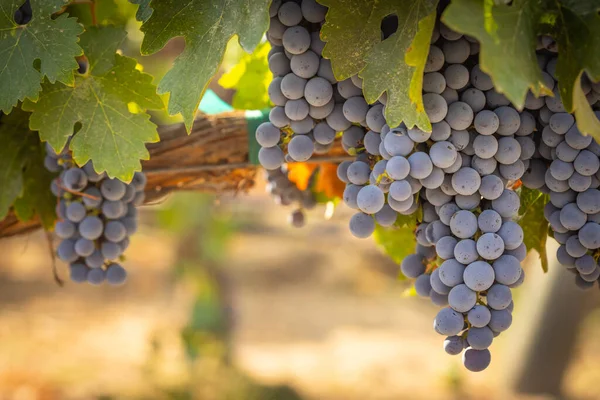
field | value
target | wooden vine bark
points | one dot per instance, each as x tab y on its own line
213	158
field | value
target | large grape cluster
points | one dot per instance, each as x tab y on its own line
567	166
96	216
462	175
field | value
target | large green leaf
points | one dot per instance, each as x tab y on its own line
578	36
508	52
51	41
206	26
110	135
535	226
22	182
352	33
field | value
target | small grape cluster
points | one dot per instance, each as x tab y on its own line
566	165
286	193
96	216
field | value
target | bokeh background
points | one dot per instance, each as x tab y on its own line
226	301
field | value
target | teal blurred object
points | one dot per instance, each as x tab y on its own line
213	104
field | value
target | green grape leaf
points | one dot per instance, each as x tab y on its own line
250	77
23	183
533	222
144	10
399	240
207	26
508	52
396	65
37	199
51	41
578	37
111	135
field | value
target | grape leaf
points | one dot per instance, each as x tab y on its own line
51	41
37	199
250	77
399	240
144	10
508	52
533	222
352	33
578	37
396	65
21	157
206	26
110	135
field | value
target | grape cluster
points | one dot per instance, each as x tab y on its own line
96	216
286	193
567	166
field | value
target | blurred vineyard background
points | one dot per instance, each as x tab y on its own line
225	301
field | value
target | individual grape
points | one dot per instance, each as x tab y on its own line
420	165
574	248
400	190
507	205
115	274
465	251
75	179
443	154
78	272
96	276
437	285
586	163
459	115
489	221
306	65
484	166
461	298
350	196
435	107
454	345
589	201
65	229
476	360
434	82
323	133
479	316
463	224
301	148
445	247
397	143
347	89
91	173
292	87
91	227
512	235
572	218
66	251
480	79
479	276
337	120
440	131
466	181
318	92
422	285
510	120
474	98
582	283
498	297
278	118
115	231
84	247
362	225
448	322
576	140
495	99
470	202
267	134
296	110
591	277
370	199
485	146
434	180
509	150
279	64
451	272
372	141
490	246
402	207
110	250
386	216
112	189
579	183
270	157
355	109
486	122
446	212
435	59
325	71
507	269
500	320
460	139
412	266
457	76
561	122
358	172
480	338
296	40
519	253
375	118
491	187
561	170
418	136
275	90
585	264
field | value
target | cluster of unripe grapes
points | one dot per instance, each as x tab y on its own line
96	217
